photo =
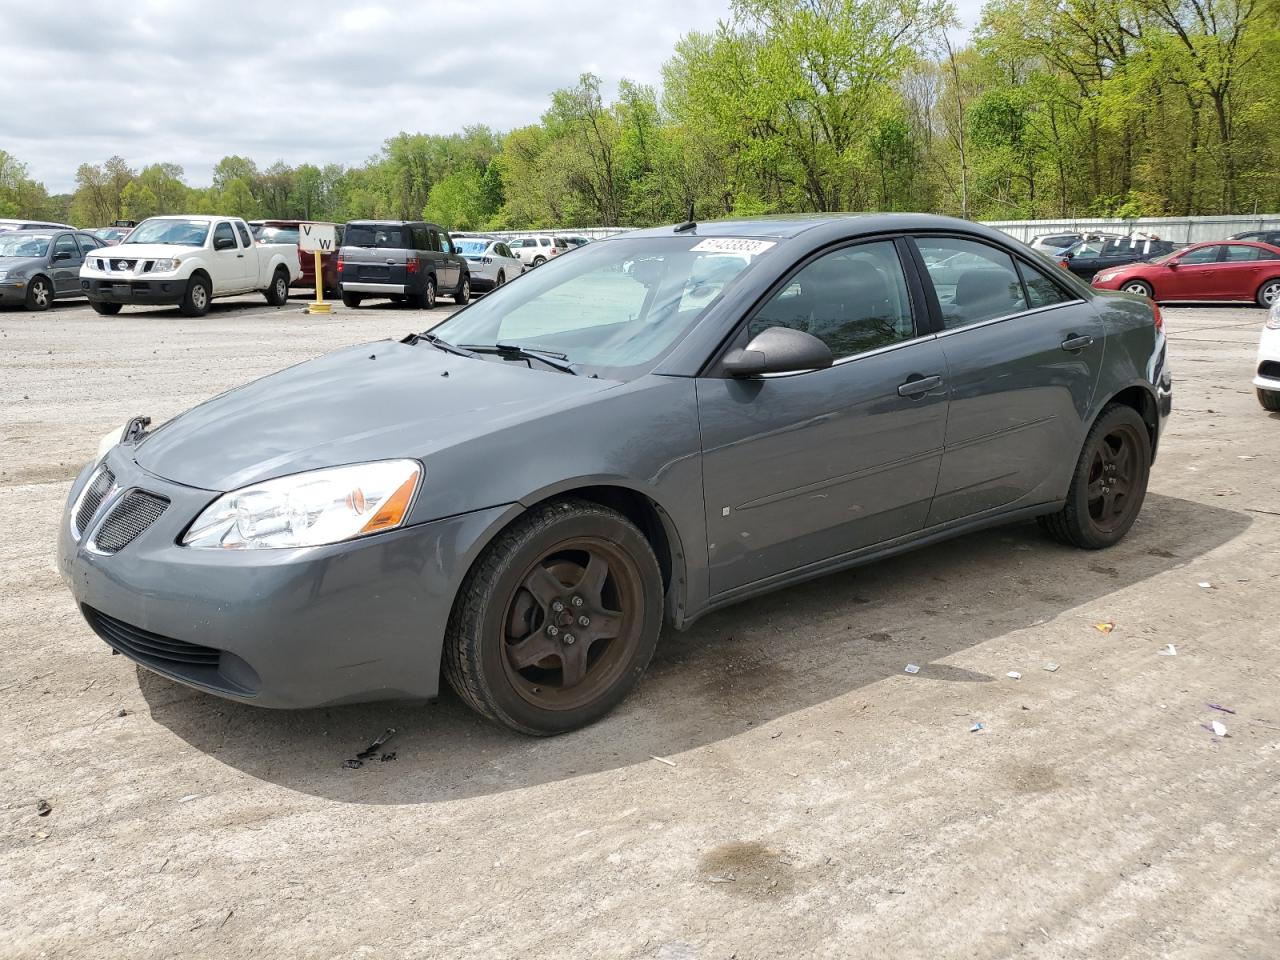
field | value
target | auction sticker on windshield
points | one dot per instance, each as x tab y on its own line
732	245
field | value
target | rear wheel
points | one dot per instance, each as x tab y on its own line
557	620
195	302
502	278
539	261
104	308
1269	293
429	294
1140	287
398	298
278	293
39	293
463	295
1109	483
351	300
1270	399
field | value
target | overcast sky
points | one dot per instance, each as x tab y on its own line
316	82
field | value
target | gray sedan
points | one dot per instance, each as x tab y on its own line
518	500
38	267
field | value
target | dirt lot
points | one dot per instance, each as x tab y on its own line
817	802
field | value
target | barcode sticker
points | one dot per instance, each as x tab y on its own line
740	245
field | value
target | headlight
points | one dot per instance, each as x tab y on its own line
310	509
1273	318
109	440
4	274
166	266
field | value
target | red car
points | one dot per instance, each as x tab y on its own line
286	231
1218	270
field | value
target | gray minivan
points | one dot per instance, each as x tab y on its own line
402	261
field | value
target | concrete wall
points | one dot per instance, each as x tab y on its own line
1176	229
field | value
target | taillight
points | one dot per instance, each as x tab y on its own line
411	265
1156	315
1065	265
339	267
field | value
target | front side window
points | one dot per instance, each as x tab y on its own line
853	300
66	244
613	308
222	232
1200	255
973	281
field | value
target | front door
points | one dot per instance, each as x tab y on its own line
227	261
1189	276
1023	356
803	467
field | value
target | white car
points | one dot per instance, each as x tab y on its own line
188	261
537	249
491	262
1267	381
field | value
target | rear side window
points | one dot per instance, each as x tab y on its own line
973	281
853	300
369	235
88	243
1041	291
1237	252
245	241
501	250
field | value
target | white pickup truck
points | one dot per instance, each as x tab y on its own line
188	261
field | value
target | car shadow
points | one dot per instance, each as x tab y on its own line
735	669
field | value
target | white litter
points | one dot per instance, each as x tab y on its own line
1205	585
188	798
1219	728
1051	667
1014	675
1169	650
912	668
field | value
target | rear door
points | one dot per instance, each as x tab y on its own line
804	467
1023	356
1239	270
65	260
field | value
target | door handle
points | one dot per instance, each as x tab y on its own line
918	386
391	261
1077	343
239	256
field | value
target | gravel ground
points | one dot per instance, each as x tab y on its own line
817	801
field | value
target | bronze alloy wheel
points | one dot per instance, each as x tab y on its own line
572	624
1113	475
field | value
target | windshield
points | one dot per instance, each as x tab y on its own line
366	235
611	307
20	243
278	235
185	233
472	247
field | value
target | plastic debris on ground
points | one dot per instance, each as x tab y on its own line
1106	626
370	751
1014	675
912	668
976	728
1205	585
1051	667
188	798
1218	706
1217	728
1169	650
669	763
43	808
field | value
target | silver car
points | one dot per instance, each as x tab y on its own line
491	261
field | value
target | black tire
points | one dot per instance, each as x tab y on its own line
502	278
1270	399
351	300
553	540
1140	287
1098	513
278	293
539	260
39	293
195	302
104	308
427	301
462	296
1268	293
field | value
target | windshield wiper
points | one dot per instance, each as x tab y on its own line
438	342
557	361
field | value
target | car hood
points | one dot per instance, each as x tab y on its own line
19	265
149	251
371	402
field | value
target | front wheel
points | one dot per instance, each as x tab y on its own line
557	619
1270	399
539	261
463	295
1139	287
1269	293
278	293
1109	483
195	302
104	308
502	278
39	294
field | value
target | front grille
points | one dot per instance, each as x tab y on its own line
136	511
151	647
1269	368
97	488
123	264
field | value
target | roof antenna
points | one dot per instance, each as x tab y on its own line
689	224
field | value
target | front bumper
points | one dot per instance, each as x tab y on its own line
128	290
349	622
1267	366
13	291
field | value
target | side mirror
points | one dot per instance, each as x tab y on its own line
224	243
1172	264
778	350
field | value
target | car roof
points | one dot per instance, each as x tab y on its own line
786	226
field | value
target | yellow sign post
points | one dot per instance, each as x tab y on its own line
316	239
